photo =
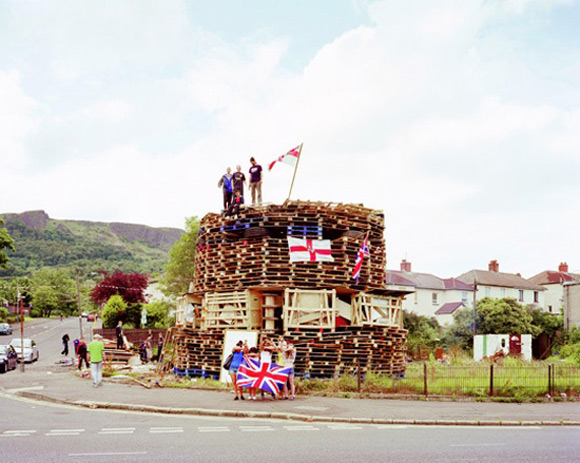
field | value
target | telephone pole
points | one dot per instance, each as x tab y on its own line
79	304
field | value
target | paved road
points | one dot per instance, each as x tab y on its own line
31	432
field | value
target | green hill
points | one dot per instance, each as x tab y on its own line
91	246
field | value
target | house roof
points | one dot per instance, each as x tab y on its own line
425	281
549	277
505	280
449	308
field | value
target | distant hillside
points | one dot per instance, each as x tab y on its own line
44	242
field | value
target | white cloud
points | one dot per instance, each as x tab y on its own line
435	112
17	120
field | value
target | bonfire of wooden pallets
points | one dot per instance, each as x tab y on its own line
244	280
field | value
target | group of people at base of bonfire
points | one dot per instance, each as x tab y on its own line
268	348
232	186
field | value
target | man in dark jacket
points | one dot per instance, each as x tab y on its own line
65	340
82	353
119	334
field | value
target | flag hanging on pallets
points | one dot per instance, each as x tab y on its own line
266	376
290	158
362	253
307	250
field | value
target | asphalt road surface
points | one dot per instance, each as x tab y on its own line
35	432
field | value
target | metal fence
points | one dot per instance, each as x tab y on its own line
490	380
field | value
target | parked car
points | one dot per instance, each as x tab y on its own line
91	317
31	353
5	328
8	358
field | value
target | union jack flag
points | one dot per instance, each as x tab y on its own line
362	253
266	376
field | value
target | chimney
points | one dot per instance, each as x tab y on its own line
494	266
563	267
405	266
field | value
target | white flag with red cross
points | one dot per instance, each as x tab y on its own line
307	250
291	158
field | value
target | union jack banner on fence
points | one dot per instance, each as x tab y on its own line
266	376
362	253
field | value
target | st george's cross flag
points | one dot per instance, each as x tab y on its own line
362	253
307	250
290	158
266	376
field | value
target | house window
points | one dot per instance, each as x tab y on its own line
503	293
434	298
550	308
521	296
464	297
486	291
535	296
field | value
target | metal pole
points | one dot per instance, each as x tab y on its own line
295	169
550	379
425	379
474	307
79	305
491	380
358	374
19	303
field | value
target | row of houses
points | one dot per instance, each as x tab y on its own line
431	295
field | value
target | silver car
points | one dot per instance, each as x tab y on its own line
31	353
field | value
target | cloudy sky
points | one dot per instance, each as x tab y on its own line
460	119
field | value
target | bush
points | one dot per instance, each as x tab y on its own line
3	314
114	311
571	352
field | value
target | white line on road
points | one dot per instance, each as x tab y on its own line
18	433
117	429
213	429
165	430
54	434
256	428
301	428
105	454
67	430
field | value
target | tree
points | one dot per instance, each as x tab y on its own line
180	269
6	242
423	332
493	316
130	286
53	289
157	314
114	310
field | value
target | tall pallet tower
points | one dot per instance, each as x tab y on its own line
244	280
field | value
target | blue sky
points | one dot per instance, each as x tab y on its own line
459	119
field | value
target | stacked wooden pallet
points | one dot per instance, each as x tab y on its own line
320	353
252	249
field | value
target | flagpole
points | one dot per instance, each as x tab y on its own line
295	169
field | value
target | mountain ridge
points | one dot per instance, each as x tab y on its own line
42	241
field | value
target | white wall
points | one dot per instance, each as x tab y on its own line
554	296
496	292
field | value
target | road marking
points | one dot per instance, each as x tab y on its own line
256	428
18	433
306	407
105	454
64	432
213	429
301	428
165	429
109	431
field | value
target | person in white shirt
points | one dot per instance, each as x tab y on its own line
289	357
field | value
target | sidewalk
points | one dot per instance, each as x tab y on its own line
64	387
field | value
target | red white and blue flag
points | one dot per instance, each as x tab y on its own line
307	250
362	253
291	158
265	376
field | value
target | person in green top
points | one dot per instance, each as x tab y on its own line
96	350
